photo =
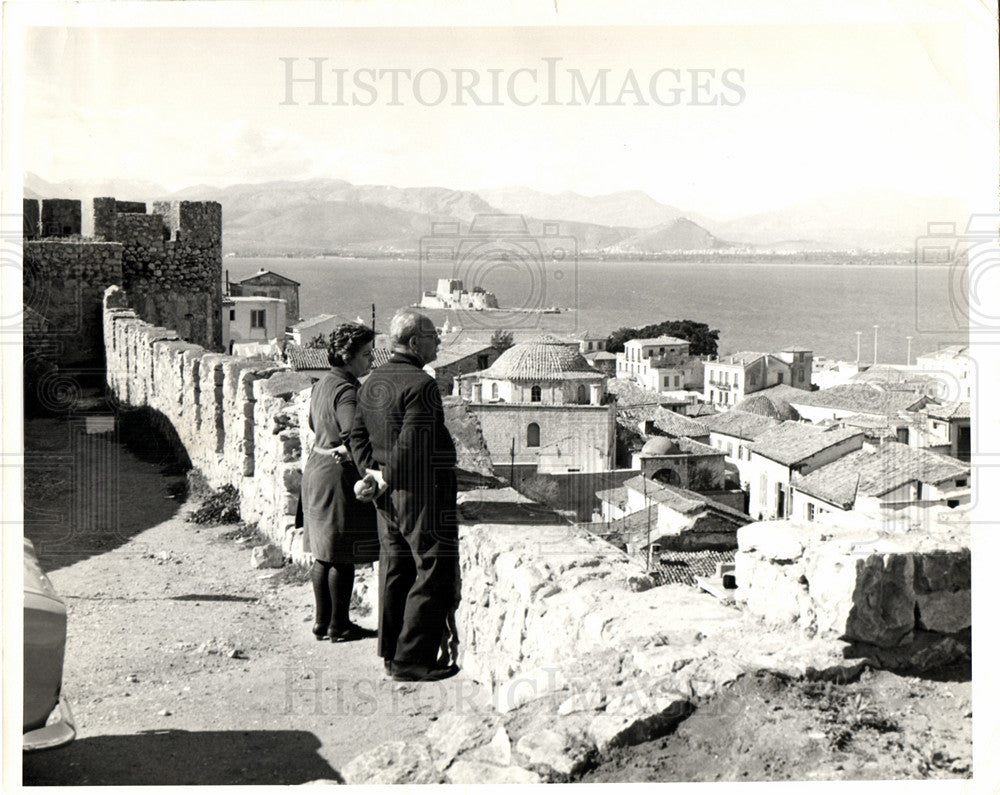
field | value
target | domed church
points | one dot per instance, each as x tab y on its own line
543	401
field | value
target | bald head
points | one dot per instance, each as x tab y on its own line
413	333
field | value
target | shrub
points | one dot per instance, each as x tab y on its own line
220	507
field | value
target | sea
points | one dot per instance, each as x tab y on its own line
755	306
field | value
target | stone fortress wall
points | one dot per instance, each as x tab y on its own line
170	261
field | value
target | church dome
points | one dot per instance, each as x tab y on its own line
544	359
766	406
660	445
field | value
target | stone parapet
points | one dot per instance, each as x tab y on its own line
860	584
238	419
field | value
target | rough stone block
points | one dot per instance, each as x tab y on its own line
453	733
629	721
663	660
527	686
945	611
772	540
393	763
549	749
942	571
468	771
866	599
266	557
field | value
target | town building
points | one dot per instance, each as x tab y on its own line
268	284
681	462
542	405
789	449
897	377
732	432
313	361
943	427
846	400
256	320
660	364
878	479
671	517
305	331
952	367
459	359
729	379
591	343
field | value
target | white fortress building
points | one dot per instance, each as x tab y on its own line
451	294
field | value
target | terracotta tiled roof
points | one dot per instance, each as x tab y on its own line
460	350
877	472
616	497
682	500
949	410
742	357
630	393
740	424
767	406
264	272
660	341
793	442
544	359
677	424
306	358
860	398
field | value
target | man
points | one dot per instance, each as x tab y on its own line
399	429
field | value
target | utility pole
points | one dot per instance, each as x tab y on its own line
909	341
512	461
649	529
875	352
858	335
373	317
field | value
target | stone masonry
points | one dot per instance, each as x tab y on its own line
170	262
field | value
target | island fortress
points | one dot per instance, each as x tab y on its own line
451	294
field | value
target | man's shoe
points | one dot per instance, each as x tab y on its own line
352	632
420	672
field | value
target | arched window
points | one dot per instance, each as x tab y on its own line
533	434
495	392
536	394
581	394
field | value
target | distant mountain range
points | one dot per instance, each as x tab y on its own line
331	215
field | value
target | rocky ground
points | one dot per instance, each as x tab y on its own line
185	665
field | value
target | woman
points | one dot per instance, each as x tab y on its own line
340	529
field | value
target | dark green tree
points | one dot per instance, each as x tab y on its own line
502	339
704	341
319	341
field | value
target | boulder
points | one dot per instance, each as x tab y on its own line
267	556
393	763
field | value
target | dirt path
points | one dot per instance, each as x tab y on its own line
186	666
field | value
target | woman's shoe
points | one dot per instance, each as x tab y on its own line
321	632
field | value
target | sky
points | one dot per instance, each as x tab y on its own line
724	119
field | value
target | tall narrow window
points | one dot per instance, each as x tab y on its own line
581	394
495	391
258	318
536	394
533	435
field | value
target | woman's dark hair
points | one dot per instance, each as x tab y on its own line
345	342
